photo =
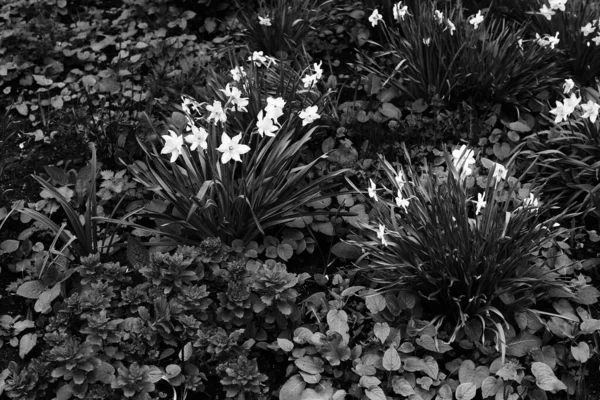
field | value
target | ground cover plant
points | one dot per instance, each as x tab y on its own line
299	200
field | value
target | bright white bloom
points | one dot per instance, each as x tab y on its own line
402	202
596	40
553	40
590	110
478	19
259	59
231	148
572	102
381	234
265	21
480	202
531	202
309	80
587	29
500	172
561	111
265	125
318	70
216	112
557	4
235	96
372	189
309	115
197	138
399	11
400	182
173	145
187	103
426	41
451	26
274	108
375	17
438	16
547	12
520	43
568	85
237	73
463	157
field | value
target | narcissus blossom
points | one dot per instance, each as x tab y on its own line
265	21
375	17
372	189
547	12
237	73
399	11
480	203
216	112
568	85
587	29
463	157
197	138
265	125
478	19
173	145
402	201
235	97
500	172
557	4
274	108
590	110
438	16
381	234
450	25
231	148
309	115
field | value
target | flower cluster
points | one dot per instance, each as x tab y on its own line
267	123
565	108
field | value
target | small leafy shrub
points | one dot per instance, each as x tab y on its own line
477	262
174	319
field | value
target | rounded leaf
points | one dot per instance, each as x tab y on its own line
466	391
292	389
27	342
391	360
9	246
545	378
381	331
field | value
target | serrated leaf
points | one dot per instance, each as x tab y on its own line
310	379
581	352
285	251
351	290
401	386
31	290
27	343
545	378
469	374
587	295
375	302
433	344
391	360
285	345
137	255
521	344
390	111
444	392
368	381
43	303
338	322
57	175
546	354
375	393
466	391
292	389
490	386
312	365
381	331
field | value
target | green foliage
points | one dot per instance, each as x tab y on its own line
579	52
468	267
448	59
232	200
280	28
